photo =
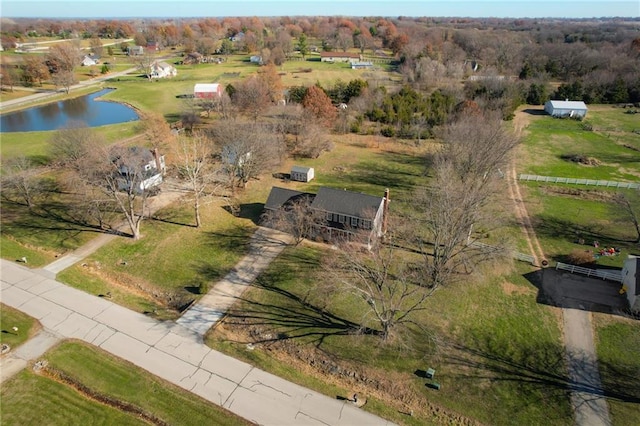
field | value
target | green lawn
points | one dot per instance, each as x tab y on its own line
10	318
561	218
161	272
612	143
31	399
497	353
564	214
618	348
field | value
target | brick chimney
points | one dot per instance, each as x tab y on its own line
385	211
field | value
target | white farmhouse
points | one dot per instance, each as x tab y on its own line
163	70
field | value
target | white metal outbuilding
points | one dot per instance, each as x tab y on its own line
572	109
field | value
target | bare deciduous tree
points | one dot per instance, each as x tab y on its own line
145	62
296	218
119	174
628	206
251	97
466	174
64	57
384	279
157	131
96	46
69	145
196	166
21	182
246	150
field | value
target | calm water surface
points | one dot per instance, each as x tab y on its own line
57	115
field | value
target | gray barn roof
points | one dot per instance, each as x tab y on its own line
575	105
300	169
346	202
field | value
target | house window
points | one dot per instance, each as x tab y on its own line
342	218
329	216
365	224
354	222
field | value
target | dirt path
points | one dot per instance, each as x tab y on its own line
589	405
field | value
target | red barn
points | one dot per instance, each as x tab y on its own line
204	90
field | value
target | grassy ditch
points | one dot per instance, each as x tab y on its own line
91	376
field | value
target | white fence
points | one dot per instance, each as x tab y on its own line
489	248
595	182
600	273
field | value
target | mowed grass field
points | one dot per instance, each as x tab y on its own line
10	318
618	349
497	353
561	214
35	398
613	142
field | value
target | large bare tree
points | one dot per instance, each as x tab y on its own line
21	182
466	175
296	218
627	205
246	151
197	167
386	281
70	144
119	174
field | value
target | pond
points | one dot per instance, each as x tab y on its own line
57	115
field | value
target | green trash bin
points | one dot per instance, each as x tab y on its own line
430	373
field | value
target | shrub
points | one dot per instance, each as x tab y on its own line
203	288
581	257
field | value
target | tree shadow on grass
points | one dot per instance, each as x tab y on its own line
390	171
294	319
286	315
235	239
541	371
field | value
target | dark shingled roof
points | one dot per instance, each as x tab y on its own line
280	196
346	202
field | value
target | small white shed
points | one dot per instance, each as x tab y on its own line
572	109
302	174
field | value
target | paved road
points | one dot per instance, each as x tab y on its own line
173	353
